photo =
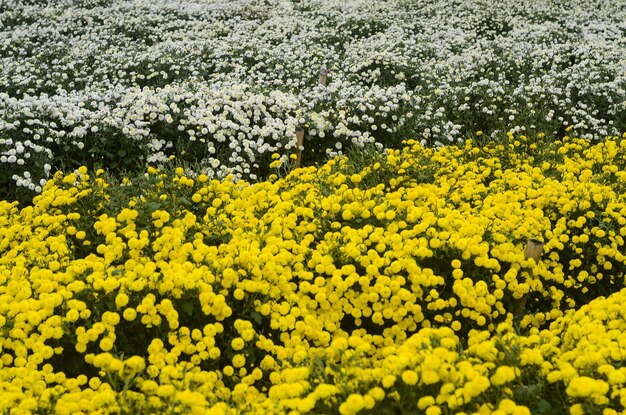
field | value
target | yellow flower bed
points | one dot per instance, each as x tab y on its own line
342	289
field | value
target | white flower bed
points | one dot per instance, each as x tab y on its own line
227	82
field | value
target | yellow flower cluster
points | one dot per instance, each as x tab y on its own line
335	289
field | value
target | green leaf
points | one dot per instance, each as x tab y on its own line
152	206
257	317
188	308
543	407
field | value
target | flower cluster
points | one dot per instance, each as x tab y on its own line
225	84
339	289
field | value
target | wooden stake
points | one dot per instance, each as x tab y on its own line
299	144
534	249
323	75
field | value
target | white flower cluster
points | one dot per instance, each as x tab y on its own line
227	82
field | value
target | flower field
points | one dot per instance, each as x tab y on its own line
224	84
400	286
312	207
